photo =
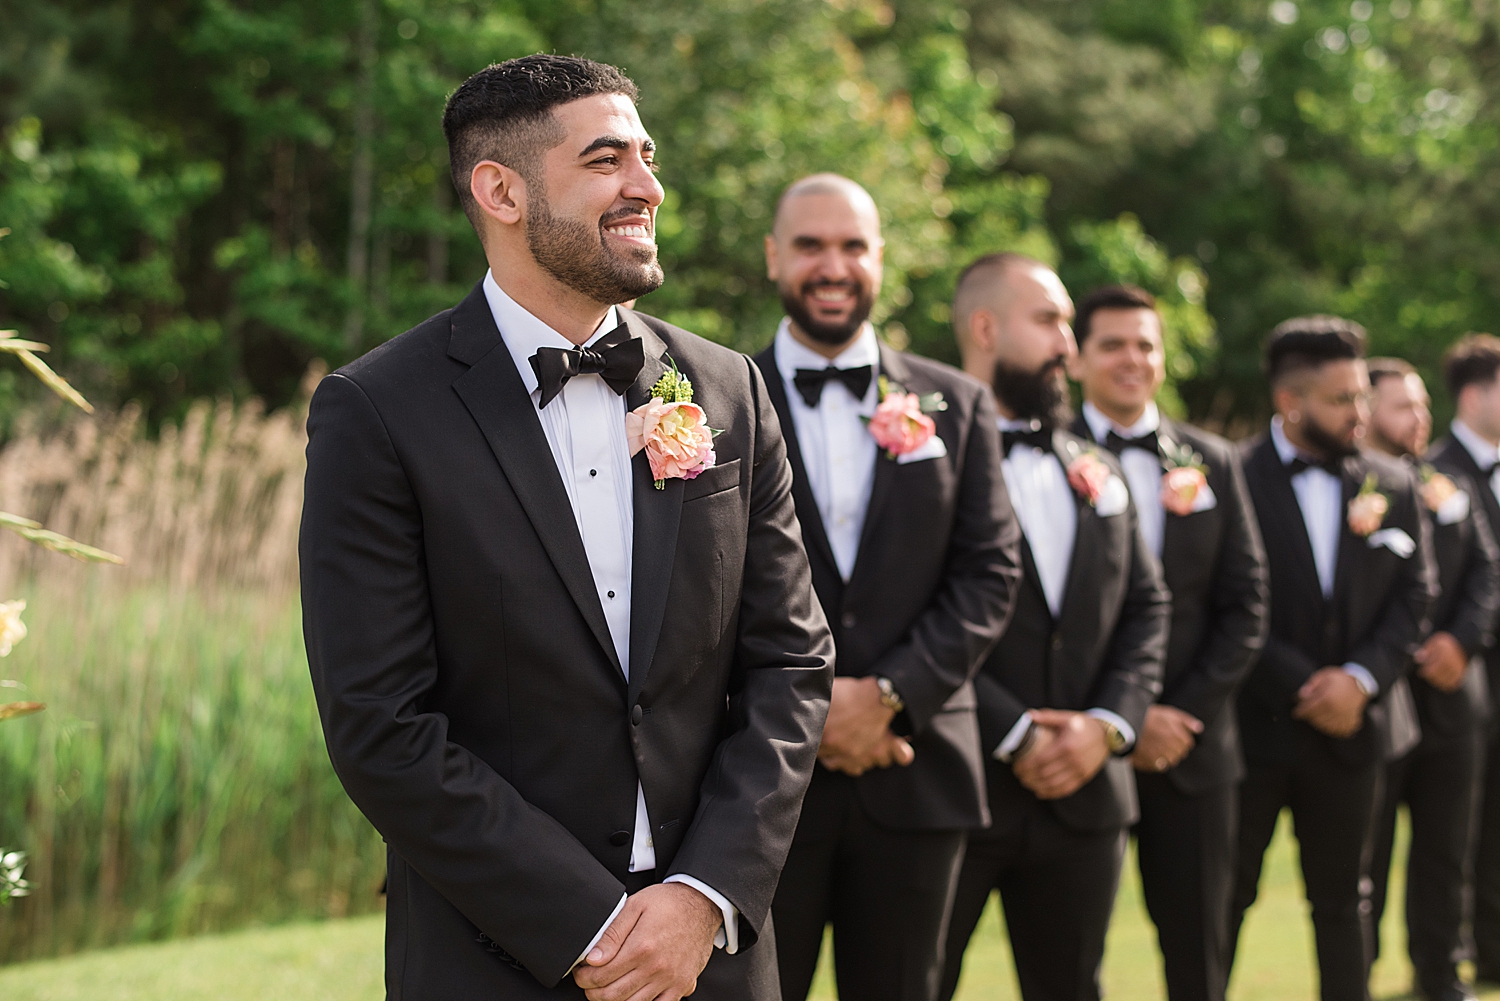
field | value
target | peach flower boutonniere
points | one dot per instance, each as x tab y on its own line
1088	475
673	430
900	424
1367	509
1437	489
1184	478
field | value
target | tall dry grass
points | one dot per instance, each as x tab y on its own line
178	781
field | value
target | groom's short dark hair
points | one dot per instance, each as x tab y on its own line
1309	342
504	112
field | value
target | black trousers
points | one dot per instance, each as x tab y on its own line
1058	888
1438	783
1487	866
886	892
1333	811
1186	847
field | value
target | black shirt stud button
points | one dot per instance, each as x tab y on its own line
620	839
593	472
611	594
635	715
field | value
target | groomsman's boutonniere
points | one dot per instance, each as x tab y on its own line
1442	496
900	424
1184	477
672	429
1367	509
1090	476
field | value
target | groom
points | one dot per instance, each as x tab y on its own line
567	655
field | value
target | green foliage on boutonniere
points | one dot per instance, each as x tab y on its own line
927	403
673	387
1175	456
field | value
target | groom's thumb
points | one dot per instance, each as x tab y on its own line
614	936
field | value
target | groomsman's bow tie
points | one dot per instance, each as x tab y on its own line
616	357
1118	443
810	381
1036	436
1333	467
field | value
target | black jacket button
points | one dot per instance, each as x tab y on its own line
635	715
620	839
849	620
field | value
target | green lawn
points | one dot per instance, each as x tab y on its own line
340	960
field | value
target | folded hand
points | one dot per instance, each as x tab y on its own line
655	947
1332	702
1068	751
1442	661
857	736
1166	738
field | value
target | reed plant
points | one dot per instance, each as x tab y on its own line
178	781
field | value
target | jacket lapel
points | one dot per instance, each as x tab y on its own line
658	513
496	397
894	369
1346	572
1089	536
1292	529
807	505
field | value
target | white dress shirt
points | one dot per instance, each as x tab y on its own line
1320	497
1485	453
838	452
1046	508
585	429
1142	470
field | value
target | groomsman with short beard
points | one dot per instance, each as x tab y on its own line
1327	704
1472	447
1195	514
1437	780
914	550
1065	693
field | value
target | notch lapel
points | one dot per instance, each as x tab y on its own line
496	398
658	514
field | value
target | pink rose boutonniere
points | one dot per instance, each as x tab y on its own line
1437	489
1367	509
673	430
1184	478
900	424
1088	475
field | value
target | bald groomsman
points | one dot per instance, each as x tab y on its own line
1327	704
1437	781
1196	517
913	546
1066	692
1472	447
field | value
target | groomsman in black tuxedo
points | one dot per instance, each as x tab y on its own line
914	550
1472	447
1195	515
1065	693
1437	781
1327	704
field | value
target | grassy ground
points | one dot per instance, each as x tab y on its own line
340	960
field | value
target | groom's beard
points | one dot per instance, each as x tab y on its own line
579	257
794	302
1038	395
1328	442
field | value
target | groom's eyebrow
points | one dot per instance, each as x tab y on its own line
615	142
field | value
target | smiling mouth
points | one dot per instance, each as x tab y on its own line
630	230
835	295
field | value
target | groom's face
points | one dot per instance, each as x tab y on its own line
591	208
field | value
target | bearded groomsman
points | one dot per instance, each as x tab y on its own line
1195	515
1472	447
913	546
1437	781
1065	693
1327	704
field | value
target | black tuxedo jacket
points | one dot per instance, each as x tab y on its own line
470	693
933	585
1215	568
1104	651
1376	617
1468	569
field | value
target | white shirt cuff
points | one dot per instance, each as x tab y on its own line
728	936
600	933
1367	682
1126	730
1013	739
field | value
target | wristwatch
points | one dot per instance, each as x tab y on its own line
1113	738
889	697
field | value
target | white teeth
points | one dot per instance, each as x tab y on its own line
640	231
832	295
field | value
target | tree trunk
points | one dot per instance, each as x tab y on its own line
362	174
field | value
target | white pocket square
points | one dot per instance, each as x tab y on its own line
1394	539
1206	500
934	449
1454	509
1113	499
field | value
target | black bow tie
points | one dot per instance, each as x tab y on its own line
1118	443
617	357
1035	435
1333	467
810	381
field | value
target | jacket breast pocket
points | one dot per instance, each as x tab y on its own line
716	479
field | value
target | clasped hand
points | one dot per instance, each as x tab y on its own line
1332	702
857	736
1443	662
1068	750
655	947
1166	738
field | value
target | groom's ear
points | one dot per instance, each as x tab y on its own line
499	192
